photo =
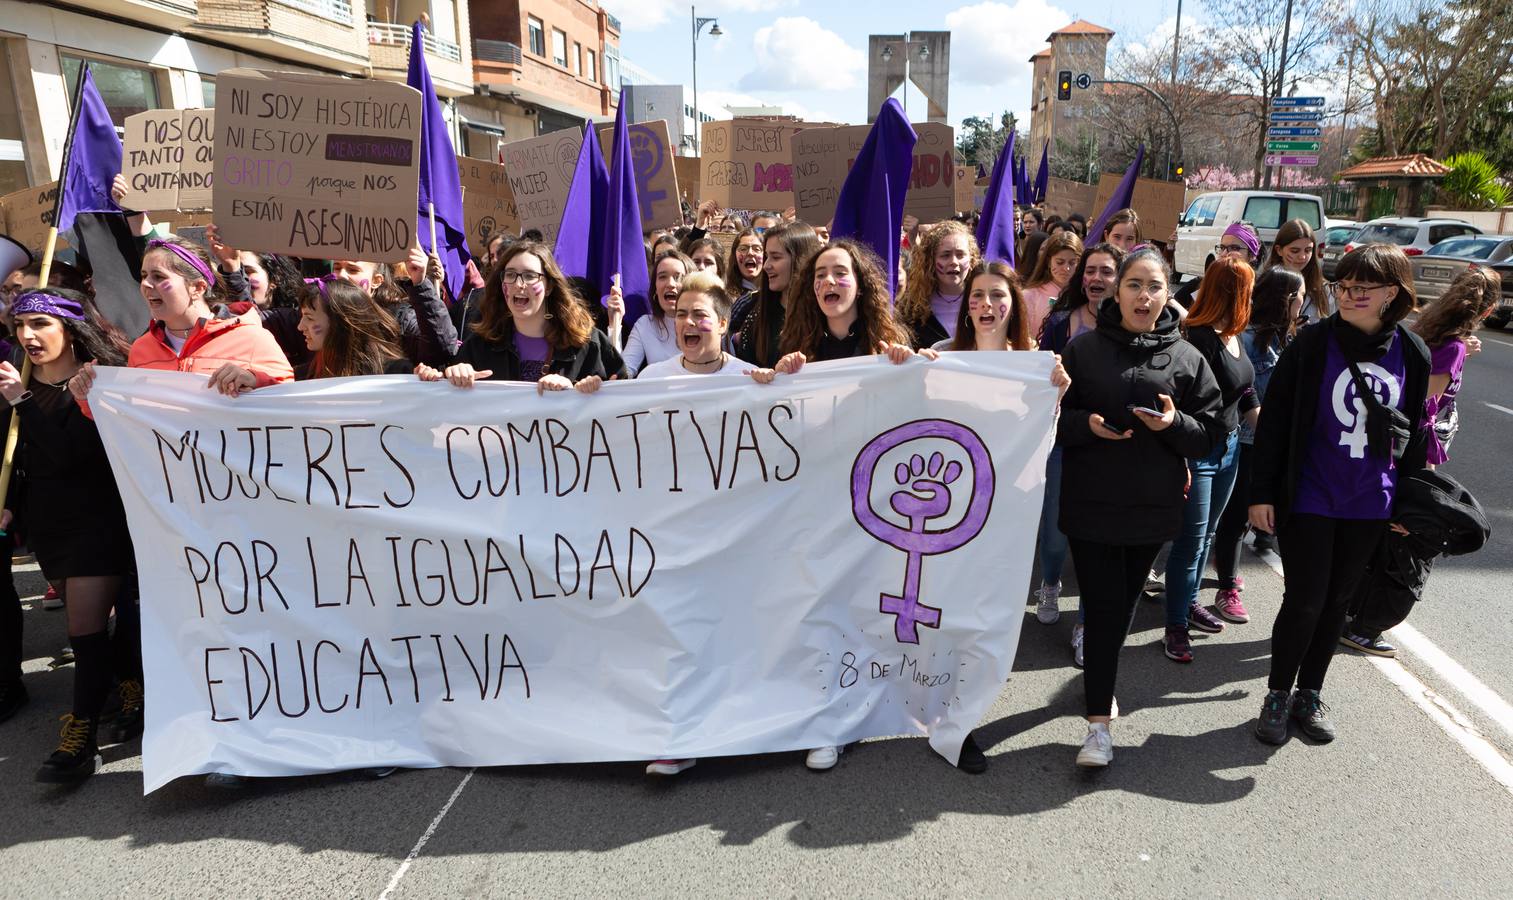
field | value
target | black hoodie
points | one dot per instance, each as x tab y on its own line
1131	491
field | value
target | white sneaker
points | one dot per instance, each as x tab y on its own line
1047	609
1097	748
1077	635
670	766
1155	581
822	758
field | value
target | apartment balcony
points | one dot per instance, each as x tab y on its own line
389	50
326	34
174	14
501	69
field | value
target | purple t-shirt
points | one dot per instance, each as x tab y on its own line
1447	359
534	352
1342	478
945	310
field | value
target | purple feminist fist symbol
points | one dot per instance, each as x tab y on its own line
925	494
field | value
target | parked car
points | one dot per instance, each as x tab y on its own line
1415	235
1445	261
1337	234
1503	313
1201	226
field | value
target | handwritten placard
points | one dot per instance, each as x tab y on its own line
169	159
687	168
963	189
823	156
656	176
487	201
747	164
315	165
540	171
29	214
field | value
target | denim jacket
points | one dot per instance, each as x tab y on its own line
1263	359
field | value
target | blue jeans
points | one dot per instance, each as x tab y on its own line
1213	480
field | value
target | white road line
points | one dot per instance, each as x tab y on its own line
1498	408
1498	341
1437	708
430	830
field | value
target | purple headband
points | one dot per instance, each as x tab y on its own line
321	282
1243	233
186	256
33	302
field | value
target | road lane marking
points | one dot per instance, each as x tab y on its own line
1498	408
1498	341
1436	707
404	867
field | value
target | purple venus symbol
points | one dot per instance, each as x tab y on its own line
925	494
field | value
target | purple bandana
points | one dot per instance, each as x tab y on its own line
35	302
321	282
186	256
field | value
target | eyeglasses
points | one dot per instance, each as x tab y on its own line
525	278
1222	249
1338	291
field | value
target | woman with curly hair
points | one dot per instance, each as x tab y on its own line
929	305
534	328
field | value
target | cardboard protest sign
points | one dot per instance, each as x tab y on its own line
965	199
687	168
29	214
415	613
169	159
487	200
747	164
656	177
1159	203
540	170
1062	198
315	165
823	156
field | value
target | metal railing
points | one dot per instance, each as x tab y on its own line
335	10
497	51
399	36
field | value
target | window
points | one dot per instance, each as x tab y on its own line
126	90
1388	234
12	140
611	67
537	35
207	92
593	67
578	57
1271	212
1467	248
1439	233
1203	211
559	48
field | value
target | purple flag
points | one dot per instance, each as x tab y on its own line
623	251
439	184
995	227
1043	177
578	238
92	158
871	203
1123	196
1021	197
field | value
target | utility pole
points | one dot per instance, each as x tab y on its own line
1281	76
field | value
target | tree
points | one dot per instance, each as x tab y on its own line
1472	183
980	142
1248	49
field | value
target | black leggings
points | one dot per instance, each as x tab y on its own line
1226	552
1323	560
1110	578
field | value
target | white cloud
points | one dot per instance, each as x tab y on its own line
644	15
798	53
991	43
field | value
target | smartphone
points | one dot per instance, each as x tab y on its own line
1145	409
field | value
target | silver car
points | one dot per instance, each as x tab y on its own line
1336	235
1415	235
1434	271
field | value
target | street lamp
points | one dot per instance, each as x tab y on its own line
698	26
887	54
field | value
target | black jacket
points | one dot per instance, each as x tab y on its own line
1131	491
597	356
929	332
1292	404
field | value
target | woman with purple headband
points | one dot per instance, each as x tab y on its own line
1239	241
74	519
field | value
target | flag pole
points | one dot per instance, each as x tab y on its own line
13	433
431	208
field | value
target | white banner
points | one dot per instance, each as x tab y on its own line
373	571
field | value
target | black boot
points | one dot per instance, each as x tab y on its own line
77	756
13	696
128	723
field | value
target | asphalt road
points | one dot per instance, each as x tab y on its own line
1193	804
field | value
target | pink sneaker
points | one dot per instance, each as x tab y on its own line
1227	604
670	766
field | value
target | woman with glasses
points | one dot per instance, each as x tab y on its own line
1239	241
534	329
1142	402
1053	270
1296	248
1343	422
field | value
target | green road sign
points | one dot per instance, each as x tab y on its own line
1293	146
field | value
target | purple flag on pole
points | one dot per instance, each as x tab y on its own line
1043	177
995	228
92	158
1021	192
578	240
1123	196
439	183
623	251
871	203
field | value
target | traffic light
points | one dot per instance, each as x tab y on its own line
1064	85
1180	170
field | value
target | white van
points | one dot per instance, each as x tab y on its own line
1206	218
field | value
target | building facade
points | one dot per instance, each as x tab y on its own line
1079	48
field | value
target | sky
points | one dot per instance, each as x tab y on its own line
810	57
